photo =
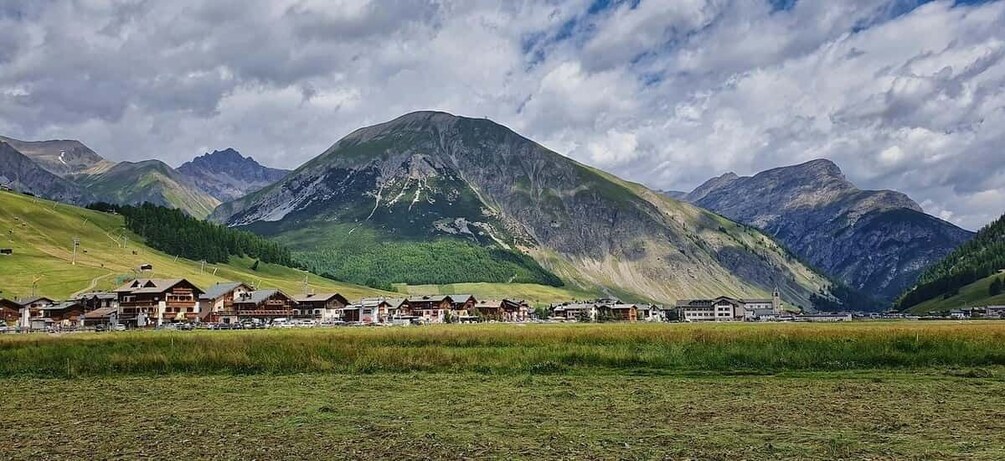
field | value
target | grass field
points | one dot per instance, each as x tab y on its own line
42	232
885	390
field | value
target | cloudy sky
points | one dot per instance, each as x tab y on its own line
901	94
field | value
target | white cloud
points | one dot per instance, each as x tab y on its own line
664	92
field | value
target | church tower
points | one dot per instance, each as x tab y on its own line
776	301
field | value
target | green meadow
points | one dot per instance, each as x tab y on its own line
882	390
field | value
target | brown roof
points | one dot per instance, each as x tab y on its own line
320	297
151	286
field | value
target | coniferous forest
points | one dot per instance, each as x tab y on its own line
972	261
174	232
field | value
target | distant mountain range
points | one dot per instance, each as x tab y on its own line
69	171
432	198
227	175
431	193
874	241
19	172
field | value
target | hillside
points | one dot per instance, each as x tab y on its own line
877	242
414	189
958	279
20	173
228	175
41	233
62	157
133	183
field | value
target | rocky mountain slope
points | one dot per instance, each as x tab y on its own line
435	177
227	175
133	183
875	241
20	173
61	157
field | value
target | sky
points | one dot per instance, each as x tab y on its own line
902	95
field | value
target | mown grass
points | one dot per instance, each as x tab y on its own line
506	349
475	416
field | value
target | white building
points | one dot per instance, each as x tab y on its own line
727	309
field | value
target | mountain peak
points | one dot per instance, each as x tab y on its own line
227	175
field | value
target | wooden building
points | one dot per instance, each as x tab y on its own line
379	310
217	303
10	311
67	313
431	309
145	302
319	306
98	299
264	305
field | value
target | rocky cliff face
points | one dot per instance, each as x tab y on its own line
874	241
20	173
228	175
431	175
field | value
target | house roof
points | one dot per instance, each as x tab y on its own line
461	298
61	306
27	301
259	296
320	297
140	286
220	289
373	302
98	295
427	298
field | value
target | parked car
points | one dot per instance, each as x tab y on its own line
101	327
118	327
3	328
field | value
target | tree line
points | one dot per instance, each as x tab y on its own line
441	261
979	258
174	232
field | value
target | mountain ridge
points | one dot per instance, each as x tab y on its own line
429	175
228	175
874	241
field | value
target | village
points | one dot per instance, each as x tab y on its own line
152	303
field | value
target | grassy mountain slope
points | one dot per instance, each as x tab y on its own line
42	232
153	181
430	176
973	294
961	274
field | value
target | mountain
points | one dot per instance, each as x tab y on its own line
133	183
20	173
877	242
61	157
41	243
964	277
430	196
227	175
674	194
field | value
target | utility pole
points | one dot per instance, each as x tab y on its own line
76	243
306	285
